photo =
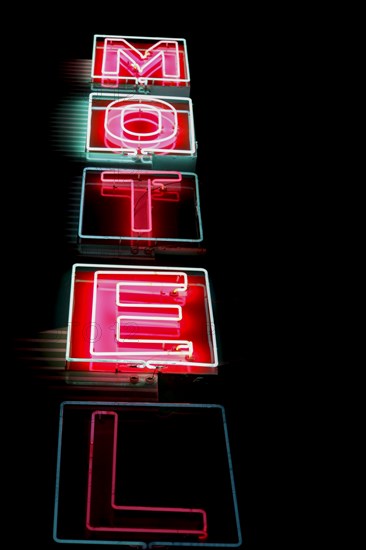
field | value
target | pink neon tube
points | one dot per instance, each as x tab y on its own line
164	53
201	533
141	197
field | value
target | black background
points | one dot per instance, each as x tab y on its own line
237	129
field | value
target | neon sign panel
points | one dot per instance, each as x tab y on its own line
140	204
124	60
139	125
106	492
128	317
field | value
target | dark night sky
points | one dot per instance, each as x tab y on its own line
237	166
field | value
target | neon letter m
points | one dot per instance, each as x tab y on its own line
121	56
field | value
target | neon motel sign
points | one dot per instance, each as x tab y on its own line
128	317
